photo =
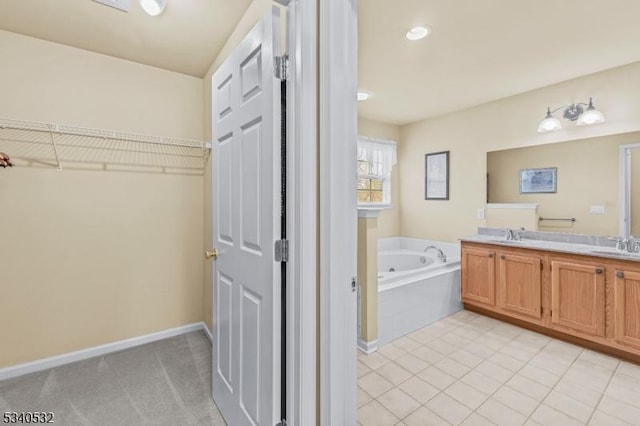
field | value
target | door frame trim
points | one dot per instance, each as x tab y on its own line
302	211
338	131
624	197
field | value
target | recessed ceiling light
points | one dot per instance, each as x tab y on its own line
153	7
363	96
418	33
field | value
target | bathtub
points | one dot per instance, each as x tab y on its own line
415	288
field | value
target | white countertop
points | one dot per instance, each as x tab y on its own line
582	249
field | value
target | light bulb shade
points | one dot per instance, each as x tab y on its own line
549	124
590	116
153	7
418	33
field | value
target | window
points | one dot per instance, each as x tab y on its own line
375	160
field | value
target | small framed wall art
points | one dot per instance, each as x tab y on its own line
538	181
436	166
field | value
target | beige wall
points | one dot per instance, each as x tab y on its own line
368	277
388	220
588	174
91	257
508	123
512	218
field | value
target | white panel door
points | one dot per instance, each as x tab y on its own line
246	279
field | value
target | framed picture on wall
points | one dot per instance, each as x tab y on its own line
436	166
538	181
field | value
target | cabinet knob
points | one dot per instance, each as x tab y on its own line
599	271
502	256
490	255
620	274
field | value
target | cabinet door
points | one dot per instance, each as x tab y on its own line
577	296
478	276
520	284
627	303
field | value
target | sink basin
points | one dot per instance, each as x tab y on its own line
615	253
503	241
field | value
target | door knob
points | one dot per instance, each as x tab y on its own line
211	254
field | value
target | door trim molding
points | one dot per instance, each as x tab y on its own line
302	211
338	130
82	354
624	185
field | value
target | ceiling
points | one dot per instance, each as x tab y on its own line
186	38
481	51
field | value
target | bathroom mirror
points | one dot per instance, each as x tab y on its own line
591	188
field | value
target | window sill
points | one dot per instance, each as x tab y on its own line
372	210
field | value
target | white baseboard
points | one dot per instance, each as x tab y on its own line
368	347
207	332
46	363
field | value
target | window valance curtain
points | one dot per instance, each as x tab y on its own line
380	155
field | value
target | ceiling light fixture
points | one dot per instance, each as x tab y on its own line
362	96
153	7
573	112
417	33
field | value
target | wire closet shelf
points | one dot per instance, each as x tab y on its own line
55	144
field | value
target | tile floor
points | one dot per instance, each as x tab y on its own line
472	370
162	383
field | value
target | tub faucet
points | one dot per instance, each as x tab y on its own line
441	256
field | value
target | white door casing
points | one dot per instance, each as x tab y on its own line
246	222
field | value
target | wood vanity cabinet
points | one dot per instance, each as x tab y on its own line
520	284
627	307
577	296
584	299
478	283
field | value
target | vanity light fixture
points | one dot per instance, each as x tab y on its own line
153	7
418	33
363	96
574	112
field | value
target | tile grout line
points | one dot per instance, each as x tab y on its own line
512	376
459	328
604	392
554	385
458	379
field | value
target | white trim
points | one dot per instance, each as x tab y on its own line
55	361
338	55
624	189
372	210
302	212
529	206
207	332
367	347
383	141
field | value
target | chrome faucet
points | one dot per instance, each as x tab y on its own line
628	244
441	256
513	234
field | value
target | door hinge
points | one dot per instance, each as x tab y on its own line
281	67
354	284
281	250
